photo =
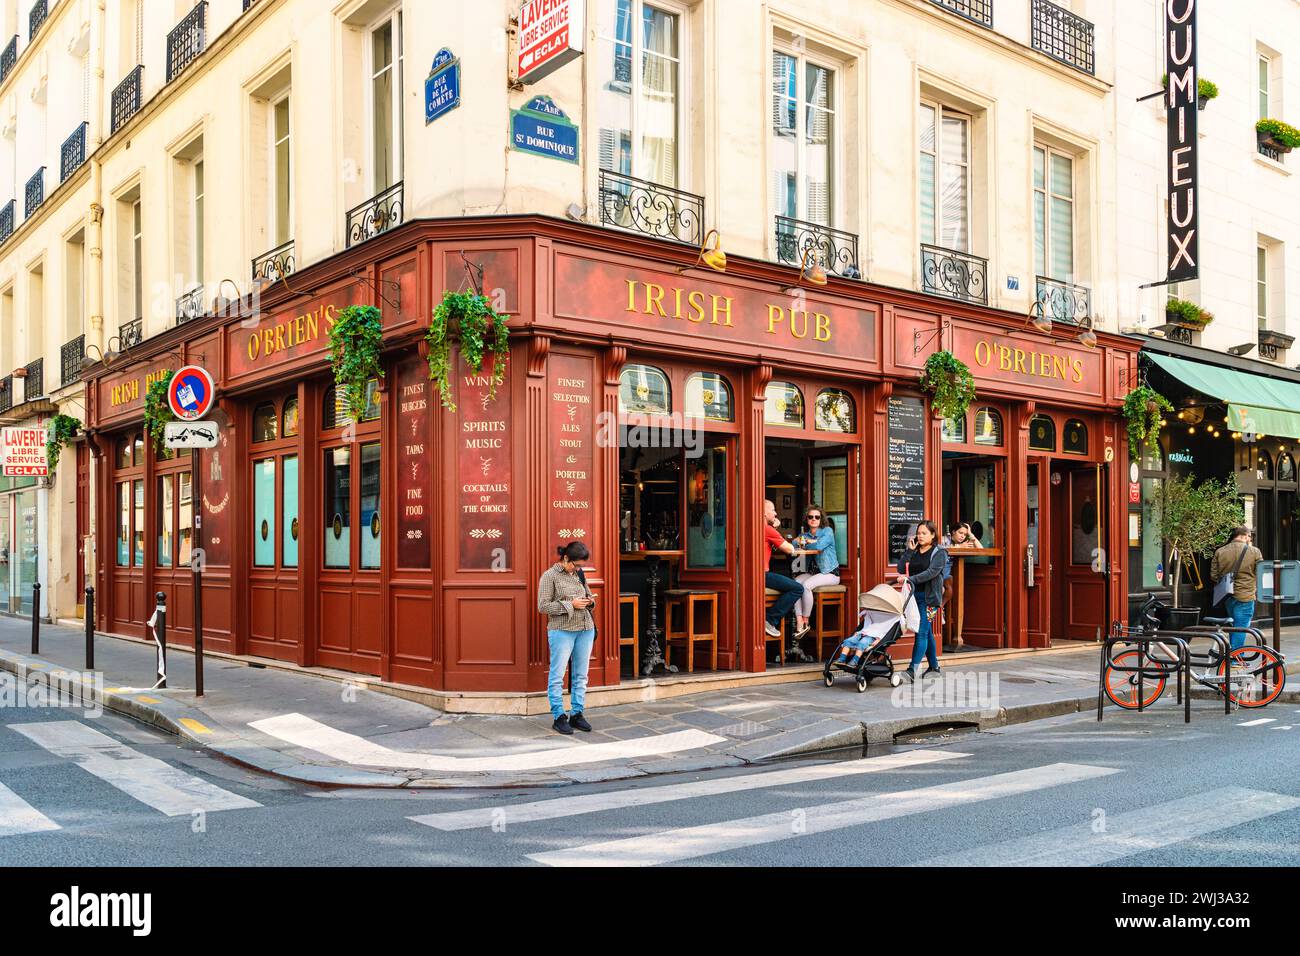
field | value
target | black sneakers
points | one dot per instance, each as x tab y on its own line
930	670
579	722
561	726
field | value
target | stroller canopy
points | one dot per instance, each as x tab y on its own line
882	598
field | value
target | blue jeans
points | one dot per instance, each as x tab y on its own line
1242	613
791	590
566	647
925	643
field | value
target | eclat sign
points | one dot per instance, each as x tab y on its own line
23	453
550	35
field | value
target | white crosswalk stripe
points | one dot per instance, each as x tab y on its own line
147	779
1258	722
514	814
17	816
686	843
1126	834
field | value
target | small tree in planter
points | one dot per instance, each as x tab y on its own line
355	340
950	384
1277	135
1196	517
467	318
1142	410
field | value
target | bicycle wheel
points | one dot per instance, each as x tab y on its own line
1122	686
1258	676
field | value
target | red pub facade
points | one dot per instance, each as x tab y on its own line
408	545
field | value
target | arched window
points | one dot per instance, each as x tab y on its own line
265	423
335	410
1264	466
988	427
1285	467
784	405
1076	438
124	453
835	411
954	431
644	389
708	396
290	418
1042	433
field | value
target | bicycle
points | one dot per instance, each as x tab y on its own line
1252	675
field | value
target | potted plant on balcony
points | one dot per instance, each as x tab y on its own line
950	383
1143	408
469	319
355	340
1276	135
1189	315
1206	90
61	431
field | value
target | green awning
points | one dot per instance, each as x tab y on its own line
1256	403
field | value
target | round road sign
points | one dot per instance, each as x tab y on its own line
190	393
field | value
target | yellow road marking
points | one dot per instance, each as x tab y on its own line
194	725
148	700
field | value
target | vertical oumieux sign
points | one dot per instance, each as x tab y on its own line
1180	105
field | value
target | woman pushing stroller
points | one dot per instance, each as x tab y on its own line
923	564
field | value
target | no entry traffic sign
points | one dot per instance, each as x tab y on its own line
190	393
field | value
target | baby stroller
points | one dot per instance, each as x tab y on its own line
880	616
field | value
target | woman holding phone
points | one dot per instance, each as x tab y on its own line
923	564
563	596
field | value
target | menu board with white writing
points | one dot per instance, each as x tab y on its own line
414	490
569	380
906	471
484	469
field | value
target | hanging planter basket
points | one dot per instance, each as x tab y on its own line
950	383
1143	408
468	320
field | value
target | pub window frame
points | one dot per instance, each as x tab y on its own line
623	376
793	389
953	431
355	439
999	434
845	395
280	450
1050	422
689	409
1083	430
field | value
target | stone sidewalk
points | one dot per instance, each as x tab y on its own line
302	727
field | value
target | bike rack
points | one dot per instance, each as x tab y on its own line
1142	640
1252	632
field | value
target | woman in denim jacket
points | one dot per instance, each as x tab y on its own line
818	535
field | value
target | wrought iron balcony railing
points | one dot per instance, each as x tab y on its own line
36	18
6	393
375	216
1062	35
127	97
976	11
7	220
833	249
1062	301
187	40
276	264
130	335
34	192
72	356
651	209
73	153
190	306
34	380
9	58
954	274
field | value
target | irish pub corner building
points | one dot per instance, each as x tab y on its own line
408	545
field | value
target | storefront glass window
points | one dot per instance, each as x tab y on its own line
29	548
124	524
954	430
645	389
706	510
784	405
370	524
165	517
185	524
1152	546
1264	466
336	414
988	427
1042	433
264	513
289	525
835	411
708	396
1076	438
137	493
124	453
137	451
338	508
291	418
265	423
1285	467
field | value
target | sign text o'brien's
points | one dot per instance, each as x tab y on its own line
1007	358
290	333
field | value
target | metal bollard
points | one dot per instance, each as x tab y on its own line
90	628
36	618
160	631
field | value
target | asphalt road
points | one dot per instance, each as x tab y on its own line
1140	790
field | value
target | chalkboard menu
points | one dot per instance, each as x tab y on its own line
907	427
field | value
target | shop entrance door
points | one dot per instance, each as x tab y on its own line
1077	590
275	619
973	493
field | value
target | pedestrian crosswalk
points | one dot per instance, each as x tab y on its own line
148	780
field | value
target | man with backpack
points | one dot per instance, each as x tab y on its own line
1233	573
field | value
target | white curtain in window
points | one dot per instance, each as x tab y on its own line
955	230
1062	218
658	101
926	124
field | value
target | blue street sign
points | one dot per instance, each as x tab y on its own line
442	88
542	128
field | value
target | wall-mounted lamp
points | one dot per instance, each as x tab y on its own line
1087	337
1243	349
810	271
711	256
1038	318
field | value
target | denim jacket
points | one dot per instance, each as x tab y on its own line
828	558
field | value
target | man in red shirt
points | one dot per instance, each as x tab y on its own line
790	589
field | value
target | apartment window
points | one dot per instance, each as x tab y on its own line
282	185
137	258
945	177
803	138
638	109
1265	65
198	222
1053	214
386	63
1261	286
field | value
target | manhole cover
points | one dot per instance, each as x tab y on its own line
1019	680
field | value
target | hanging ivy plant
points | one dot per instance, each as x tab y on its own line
355	341
468	318
63	428
950	383
157	412
1142	410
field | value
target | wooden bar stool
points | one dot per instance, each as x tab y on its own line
830	601
632	640
691	630
771	597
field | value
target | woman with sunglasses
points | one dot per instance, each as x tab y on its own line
818	535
